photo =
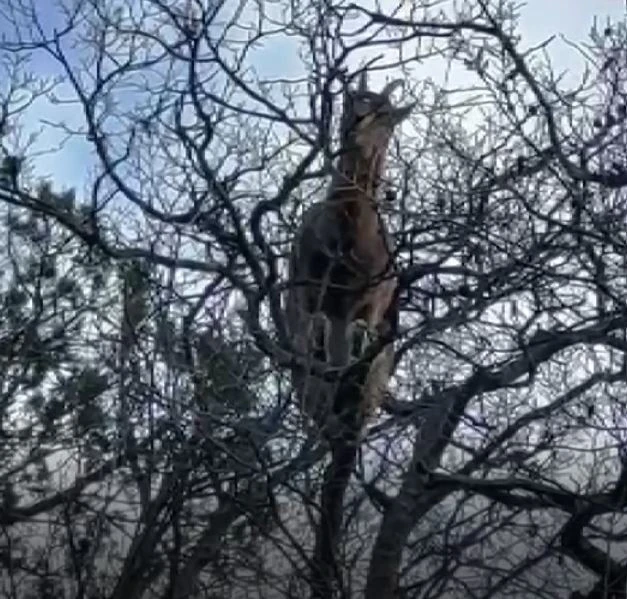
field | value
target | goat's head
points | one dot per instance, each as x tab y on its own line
369	118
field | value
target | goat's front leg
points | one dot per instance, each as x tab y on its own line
367	328
361	335
318	335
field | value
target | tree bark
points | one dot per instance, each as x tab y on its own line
413	500
326	574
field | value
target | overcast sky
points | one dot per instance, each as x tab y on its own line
540	19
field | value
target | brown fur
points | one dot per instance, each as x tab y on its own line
341	267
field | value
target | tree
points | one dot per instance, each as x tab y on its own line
151	446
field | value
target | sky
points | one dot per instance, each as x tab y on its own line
573	18
69	166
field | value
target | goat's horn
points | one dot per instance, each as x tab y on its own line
363	81
390	87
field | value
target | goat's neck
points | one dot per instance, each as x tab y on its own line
356	179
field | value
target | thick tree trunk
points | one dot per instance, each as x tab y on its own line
326	574
348	413
397	523
414	499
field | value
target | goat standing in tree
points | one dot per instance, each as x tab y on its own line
343	292
341	269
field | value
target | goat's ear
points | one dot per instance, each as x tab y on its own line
401	113
390	87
